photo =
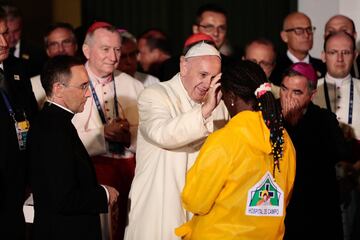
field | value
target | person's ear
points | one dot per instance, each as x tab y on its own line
195	28
284	36
356	53
86	50
313	94
323	56
58	90
183	66
156	54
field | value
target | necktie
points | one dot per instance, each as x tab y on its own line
4	85
12	51
2	79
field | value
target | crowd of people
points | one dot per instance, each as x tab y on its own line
204	145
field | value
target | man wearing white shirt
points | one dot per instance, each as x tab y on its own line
338	88
108	124
176	116
339	92
128	61
297	34
59	39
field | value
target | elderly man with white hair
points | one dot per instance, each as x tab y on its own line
175	118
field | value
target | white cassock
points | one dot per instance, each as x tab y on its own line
171	132
339	99
88	123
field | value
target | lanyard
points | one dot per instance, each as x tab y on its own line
98	105
351	99
21	128
8	106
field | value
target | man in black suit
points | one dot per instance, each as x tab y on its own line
17	107
32	55
67	196
297	34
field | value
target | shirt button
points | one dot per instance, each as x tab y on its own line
109	119
107	109
338	107
106	101
338	97
104	92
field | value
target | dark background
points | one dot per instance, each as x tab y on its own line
247	19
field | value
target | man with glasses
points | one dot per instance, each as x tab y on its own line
32	55
128	61
297	34
59	39
212	20
67	196
341	23
351	203
155	54
262	52
108	125
339	92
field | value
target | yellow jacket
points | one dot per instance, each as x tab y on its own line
229	185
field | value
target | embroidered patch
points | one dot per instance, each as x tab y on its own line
25	56
265	198
16	77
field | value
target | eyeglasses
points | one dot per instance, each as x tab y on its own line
263	64
64	43
211	28
300	31
333	52
82	87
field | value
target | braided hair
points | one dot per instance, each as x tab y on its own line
243	78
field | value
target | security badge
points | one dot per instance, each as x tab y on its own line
22	129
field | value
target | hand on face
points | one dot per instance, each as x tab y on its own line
291	109
213	97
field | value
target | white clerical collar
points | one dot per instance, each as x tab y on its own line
17	50
337	81
2	66
295	59
95	78
60	106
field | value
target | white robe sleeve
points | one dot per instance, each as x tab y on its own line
162	123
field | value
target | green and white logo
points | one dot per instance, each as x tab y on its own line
265	198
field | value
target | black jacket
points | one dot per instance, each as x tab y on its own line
12	160
283	63
67	196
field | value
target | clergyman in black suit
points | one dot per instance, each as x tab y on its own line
16	111
67	196
298	35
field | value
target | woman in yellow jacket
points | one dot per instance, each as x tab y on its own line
242	180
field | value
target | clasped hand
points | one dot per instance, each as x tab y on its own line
118	130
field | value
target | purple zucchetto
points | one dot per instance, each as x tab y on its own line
305	70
